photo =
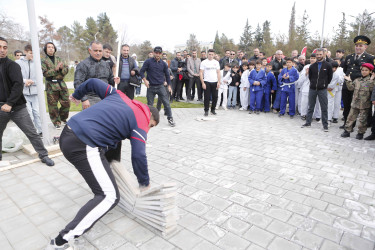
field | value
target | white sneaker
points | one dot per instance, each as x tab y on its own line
52	246
241	109
216	108
225	108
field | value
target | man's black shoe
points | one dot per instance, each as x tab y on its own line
334	120
292	116
205	113
303	117
345	134
257	112
325	129
306	125
182	99
177	100
280	115
213	112
48	161
250	112
317	119
342	126
370	137
171	122
359	136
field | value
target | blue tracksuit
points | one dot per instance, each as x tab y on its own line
256	91
288	90
271	83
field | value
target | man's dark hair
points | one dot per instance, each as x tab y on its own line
264	59
227	65
203	51
154	113
288	59
336	58
125	45
334	64
164	54
244	58
261	52
245	64
45	47
226	50
3	39
269	64
340	51
258	61
284	62
107	46
320	49
211	50
17	51
28	48
251	63
313	55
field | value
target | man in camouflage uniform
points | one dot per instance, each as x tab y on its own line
54	70
351	66
361	104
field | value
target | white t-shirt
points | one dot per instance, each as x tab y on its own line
210	68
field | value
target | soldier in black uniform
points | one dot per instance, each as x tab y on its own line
352	65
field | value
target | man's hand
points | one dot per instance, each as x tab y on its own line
86	104
347	78
272	91
307	71
218	85
237	83
147	84
165	83
244	89
179	69
59	66
329	89
132	72
203	86
170	89
373	102
117	79
372	76
6	108
72	99
28	82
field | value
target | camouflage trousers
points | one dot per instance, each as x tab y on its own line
362	120
57	114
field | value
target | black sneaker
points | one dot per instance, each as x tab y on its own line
368	138
317	119
41	135
292	116
250	112
257	112
342	126
306	125
52	246
359	136
171	122
345	134
213	112
205	113
334	120
48	161
325	129
281	115
303	118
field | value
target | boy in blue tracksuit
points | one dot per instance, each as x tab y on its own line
257	80
271	85
287	77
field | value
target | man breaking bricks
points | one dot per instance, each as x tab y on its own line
85	140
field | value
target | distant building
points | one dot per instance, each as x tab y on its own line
202	46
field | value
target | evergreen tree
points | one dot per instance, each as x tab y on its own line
246	39
79	43
192	43
226	43
302	32
267	47
341	35
258	37
144	49
91	30
65	39
106	31
217	44
292	28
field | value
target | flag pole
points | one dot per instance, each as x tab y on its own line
324	17
118	54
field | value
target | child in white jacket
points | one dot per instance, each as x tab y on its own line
244	87
225	81
334	92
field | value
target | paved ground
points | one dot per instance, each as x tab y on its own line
245	182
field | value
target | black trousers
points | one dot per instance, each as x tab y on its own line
210	90
373	123
22	119
92	164
347	97
195	80
126	88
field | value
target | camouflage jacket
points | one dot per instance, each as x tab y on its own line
362	87
48	68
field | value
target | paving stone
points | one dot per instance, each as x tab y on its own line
138	235
236	226
122	225
259	236
239	198
328	232
216	216
37	241
109	241
354	242
259	219
191	222
329	245
185	239
281	244
348	226
368	233
307	239
278	213
98	230
302	222
322	216
282	229
26	231
298	208
232	241
293	196
204	245
211	232
312	202
334	199
277	201
218	203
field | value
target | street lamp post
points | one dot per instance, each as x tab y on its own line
361	21
324	17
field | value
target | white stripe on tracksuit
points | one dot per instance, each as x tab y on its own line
93	157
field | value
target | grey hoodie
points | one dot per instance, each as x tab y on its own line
28	72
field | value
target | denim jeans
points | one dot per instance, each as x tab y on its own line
162	94
232	96
158	105
32	106
195	80
138	90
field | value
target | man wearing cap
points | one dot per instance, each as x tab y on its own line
351	66
157	74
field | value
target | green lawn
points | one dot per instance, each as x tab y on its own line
142	99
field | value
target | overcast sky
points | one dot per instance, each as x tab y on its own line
169	22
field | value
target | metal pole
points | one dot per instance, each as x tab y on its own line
118	53
324	17
38	70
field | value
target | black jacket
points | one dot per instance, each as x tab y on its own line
13	83
320	79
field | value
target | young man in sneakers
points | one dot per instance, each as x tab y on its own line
85	142
13	103
210	78
157	73
320	75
